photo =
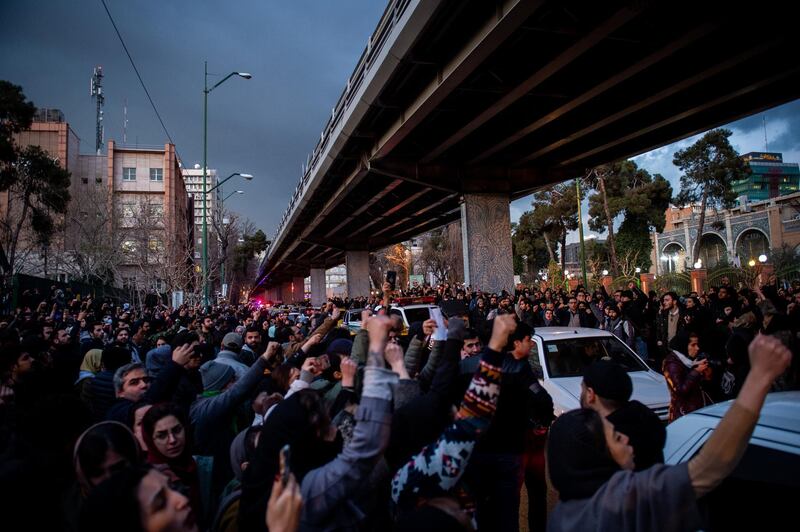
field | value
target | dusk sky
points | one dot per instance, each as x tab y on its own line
300	54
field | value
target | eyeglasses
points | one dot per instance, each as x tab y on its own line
163	435
136	380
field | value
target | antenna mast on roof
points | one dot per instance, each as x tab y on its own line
97	92
125	122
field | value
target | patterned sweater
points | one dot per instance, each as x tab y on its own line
439	466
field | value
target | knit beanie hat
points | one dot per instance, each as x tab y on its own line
216	375
646	433
608	380
340	346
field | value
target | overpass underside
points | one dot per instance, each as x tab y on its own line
502	98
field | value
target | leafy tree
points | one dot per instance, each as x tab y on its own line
622	188
441	255
528	241
709	167
37	187
555	213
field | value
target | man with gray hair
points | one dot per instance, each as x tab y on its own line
133	384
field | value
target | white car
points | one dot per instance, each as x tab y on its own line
762	491
560	355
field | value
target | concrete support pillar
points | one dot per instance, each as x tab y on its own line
274	294
729	237
357	266
298	289
318	293
286	292
689	243
486	241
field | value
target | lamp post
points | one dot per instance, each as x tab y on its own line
248	177
206	90
580	233
231	194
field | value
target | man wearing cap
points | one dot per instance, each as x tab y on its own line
229	354
606	388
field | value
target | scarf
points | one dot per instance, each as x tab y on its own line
686	361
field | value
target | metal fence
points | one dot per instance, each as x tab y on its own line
680	283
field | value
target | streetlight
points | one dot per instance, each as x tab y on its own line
231	194
762	258
248	177
605	272
698	264
751	263
206	90
638	270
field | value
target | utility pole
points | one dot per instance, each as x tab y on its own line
96	91
580	234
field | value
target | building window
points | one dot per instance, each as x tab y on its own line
129	174
156	174
85	180
155	244
98	180
128	246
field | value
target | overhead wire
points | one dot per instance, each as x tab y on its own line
141	80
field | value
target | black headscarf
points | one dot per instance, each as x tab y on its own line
577	455
295	421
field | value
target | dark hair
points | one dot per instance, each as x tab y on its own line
91	449
114	357
114	503
522	330
252	329
471	332
184	337
673	295
280	376
158	412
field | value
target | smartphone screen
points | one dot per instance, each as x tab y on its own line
285	464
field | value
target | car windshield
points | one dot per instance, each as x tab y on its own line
414	315
569	357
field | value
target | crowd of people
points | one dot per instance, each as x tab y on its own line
249	417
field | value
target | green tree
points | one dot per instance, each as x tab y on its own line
528	241
641	198
709	167
555	213
37	186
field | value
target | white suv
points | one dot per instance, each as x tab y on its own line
560	355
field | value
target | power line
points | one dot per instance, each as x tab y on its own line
133	64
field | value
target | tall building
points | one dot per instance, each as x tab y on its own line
770	177
51	132
193	177
154	217
129	219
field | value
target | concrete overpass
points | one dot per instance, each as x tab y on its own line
457	107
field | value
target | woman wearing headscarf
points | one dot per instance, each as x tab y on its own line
100	451
91	365
165	430
591	464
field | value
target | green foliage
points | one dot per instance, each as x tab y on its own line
37	186
709	167
632	192
632	241
527	240
245	251
555	213
16	114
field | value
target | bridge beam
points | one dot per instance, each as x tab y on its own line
318	292
486	240
357	266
